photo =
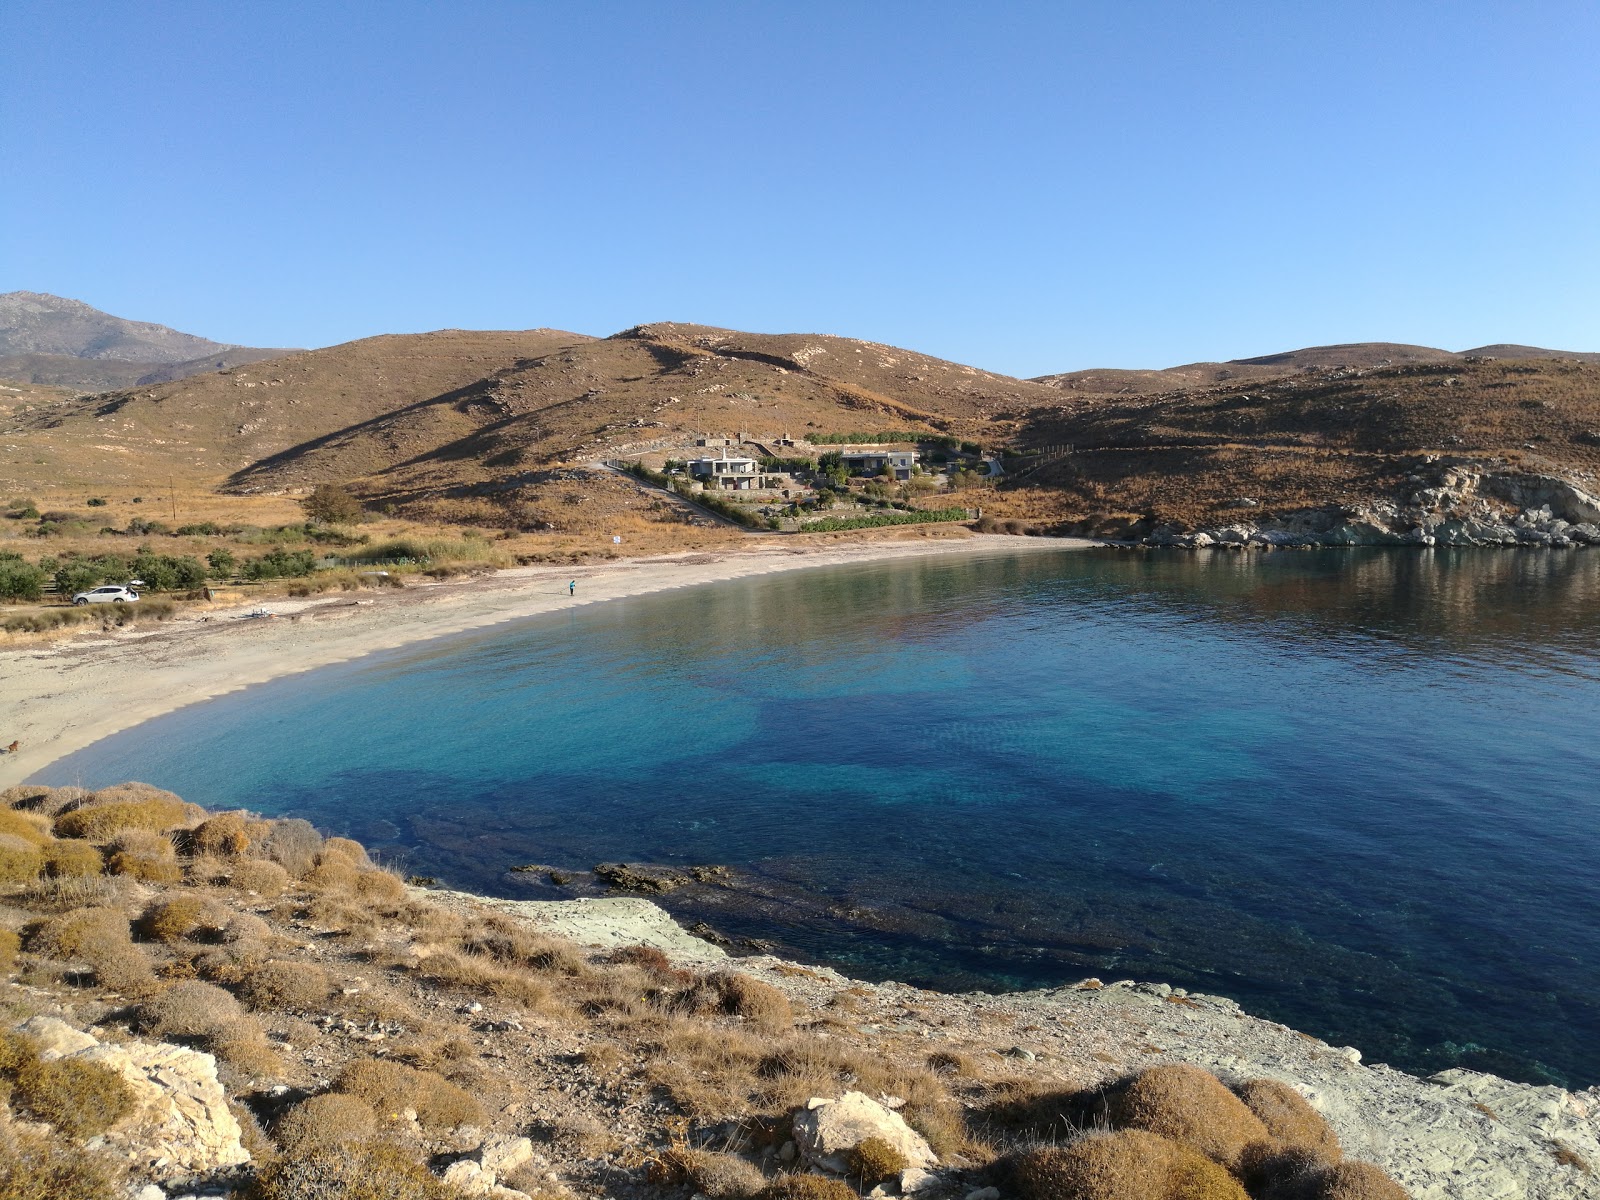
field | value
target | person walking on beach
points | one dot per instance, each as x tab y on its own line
572	588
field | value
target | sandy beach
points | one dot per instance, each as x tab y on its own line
56	699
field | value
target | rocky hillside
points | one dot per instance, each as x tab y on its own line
51	340
1353	355
1327	444
1306	451
216	1003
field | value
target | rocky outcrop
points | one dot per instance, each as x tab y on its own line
825	1131
181	1127
1452	504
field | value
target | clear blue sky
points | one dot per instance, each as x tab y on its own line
1025	187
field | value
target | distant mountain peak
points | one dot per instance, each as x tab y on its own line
39	323
58	341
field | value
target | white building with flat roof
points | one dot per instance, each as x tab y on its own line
899	463
740	474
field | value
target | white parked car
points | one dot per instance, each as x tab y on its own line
113	594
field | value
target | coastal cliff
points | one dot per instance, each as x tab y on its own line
1451	503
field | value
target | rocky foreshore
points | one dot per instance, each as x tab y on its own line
1457	1135
1454	503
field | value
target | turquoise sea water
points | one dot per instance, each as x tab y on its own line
1354	790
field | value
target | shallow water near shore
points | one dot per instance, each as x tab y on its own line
1354	790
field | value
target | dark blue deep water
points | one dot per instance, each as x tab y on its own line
1354	790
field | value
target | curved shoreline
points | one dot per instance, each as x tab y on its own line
58	699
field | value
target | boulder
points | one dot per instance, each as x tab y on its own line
503	1154
55	1039
182	1126
825	1131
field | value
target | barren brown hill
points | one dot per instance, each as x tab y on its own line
647	386
1195	456
1363	355
203	428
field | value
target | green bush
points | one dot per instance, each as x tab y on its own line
280	564
221	561
921	437
332	505
833	524
19	581
164	573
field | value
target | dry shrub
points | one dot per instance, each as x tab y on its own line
951	1062
181	916
108	813
35	1166
144	854
81	1099
98	937
374	1170
207	871
1289	1119
24	795
65	892
603	1057
246	929
20	860
28	826
1130	1165
380	887
71	860
740	995
1192	1107
228	964
331	1119
479	973
190	1010
507	942
389	1088
46	801
874	1159
244	1047
807	1187
1348	1180
647	958
280	985
351	851
265	878
10	943
720	1176
293	844
333	874
225	835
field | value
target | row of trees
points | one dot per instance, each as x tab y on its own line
21	580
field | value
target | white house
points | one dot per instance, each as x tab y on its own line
739	474
899	463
